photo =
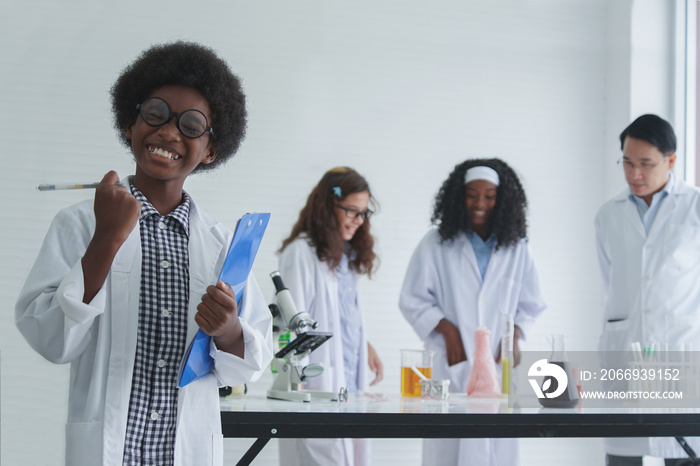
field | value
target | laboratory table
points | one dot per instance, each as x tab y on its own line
381	416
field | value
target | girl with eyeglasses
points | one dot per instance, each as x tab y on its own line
329	247
473	270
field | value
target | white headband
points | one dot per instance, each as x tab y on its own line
481	173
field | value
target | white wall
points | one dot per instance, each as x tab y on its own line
400	90
644	74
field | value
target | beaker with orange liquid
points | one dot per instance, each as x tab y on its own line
413	363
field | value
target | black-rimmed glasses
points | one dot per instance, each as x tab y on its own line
354	213
191	123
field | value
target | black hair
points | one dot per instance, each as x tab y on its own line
192	65
507	220
654	130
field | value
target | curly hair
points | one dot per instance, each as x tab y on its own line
186	64
318	221
507	220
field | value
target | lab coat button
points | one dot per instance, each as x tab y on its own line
161	363
155	416
165	264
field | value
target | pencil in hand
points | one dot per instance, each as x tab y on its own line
60	187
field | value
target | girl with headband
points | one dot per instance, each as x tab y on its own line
329	247
474	270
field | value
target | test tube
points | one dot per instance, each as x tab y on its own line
507	354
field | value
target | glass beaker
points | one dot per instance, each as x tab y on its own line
413	363
569	397
558	348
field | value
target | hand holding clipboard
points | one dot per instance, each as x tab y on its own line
239	261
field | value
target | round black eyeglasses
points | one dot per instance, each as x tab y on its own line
191	123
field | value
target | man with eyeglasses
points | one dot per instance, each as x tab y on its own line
648	241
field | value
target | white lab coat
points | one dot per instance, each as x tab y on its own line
651	284
443	281
314	288
99	339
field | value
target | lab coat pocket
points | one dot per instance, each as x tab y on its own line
84	443
682	247
615	335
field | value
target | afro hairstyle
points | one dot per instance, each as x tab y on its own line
185	64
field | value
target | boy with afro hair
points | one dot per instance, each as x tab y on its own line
122	283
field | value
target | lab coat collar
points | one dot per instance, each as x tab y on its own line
666	191
681	188
667	207
676	188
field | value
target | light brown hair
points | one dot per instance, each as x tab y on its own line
318	221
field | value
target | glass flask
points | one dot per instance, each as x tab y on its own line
569	398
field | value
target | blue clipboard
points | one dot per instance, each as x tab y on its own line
239	261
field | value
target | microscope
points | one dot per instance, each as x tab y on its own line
291	373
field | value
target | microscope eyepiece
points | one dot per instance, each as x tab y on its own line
277	281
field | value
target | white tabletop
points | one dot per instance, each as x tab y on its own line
460	416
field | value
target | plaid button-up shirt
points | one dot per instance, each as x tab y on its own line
162	331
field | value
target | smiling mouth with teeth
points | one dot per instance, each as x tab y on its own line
163	153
